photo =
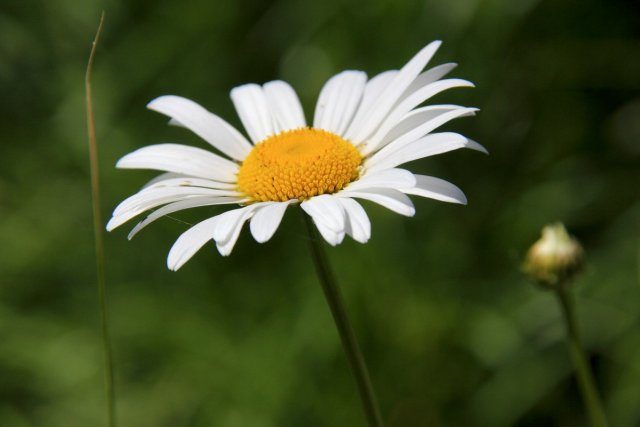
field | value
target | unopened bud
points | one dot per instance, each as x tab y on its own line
555	258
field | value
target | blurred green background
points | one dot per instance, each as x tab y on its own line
452	332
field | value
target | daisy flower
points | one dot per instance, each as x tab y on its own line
362	131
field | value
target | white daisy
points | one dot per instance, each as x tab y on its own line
362	131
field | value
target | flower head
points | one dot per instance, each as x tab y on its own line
555	258
362	131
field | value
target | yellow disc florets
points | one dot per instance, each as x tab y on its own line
298	164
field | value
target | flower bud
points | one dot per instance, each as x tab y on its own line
555	258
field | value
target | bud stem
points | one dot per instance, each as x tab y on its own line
584	375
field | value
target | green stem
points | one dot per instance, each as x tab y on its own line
97	232
347	336
583	371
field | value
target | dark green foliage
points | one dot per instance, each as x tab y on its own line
453	334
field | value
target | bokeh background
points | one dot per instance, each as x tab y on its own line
452	332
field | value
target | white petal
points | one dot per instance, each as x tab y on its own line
419	117
225	246
415	125
332	237
428	77
190	242
150	195
203	123
149	199
266	220
285	105
358	224
389	198
430	145
228	223
379	110
181	159
326	209
372	91
164	176
401	109
180	206
438	189
338	101
175	180
388	178
474	145
253	110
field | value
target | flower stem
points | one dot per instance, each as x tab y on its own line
583	371
347	336
97	232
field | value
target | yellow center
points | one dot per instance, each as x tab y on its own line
298	164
